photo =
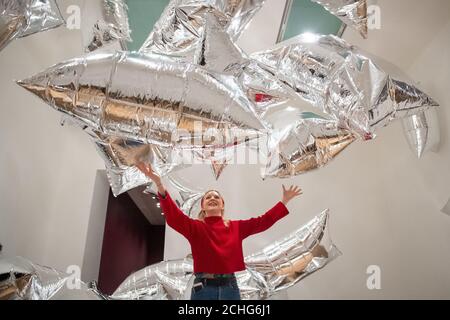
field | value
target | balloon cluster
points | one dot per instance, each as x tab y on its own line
20	279
275	268
190	90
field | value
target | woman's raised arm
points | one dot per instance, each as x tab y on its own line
148	171
174	216
262	223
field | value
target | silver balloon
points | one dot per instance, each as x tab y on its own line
337	78
165	280
112	26
217	51
150	99
122	155
422	132
284	263
351	12
12	20
191	198
275	268
218	159
121	171
272	98
20	18
20	279
269	271
308	144
217	168
267	93
179	30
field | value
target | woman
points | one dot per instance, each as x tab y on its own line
216	243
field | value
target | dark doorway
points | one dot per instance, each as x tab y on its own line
130	242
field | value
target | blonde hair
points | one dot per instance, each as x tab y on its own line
202	213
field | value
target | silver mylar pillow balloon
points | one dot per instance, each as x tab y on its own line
149	98
20	18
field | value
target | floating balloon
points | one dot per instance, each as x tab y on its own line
11	22
21	279
178	32
351	12
296	145
308	144
284	263
275	268
120	158
422	132
218	159
137	115
269	271
20	18
268	91
340	80
111	26
216	49
220	54
122	155
217	168
165	280
150	99
191	198
226	98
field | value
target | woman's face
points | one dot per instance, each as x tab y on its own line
212	201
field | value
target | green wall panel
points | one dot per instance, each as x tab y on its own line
143	15
308	16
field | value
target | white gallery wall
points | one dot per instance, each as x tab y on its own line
385	204
47	171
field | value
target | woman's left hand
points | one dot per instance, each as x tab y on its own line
289	194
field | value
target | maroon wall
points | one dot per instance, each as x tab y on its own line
130	242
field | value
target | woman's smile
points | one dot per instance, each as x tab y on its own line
213	203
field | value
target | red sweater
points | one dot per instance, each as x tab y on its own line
215	247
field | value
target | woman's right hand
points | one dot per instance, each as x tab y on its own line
148	171
289	194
